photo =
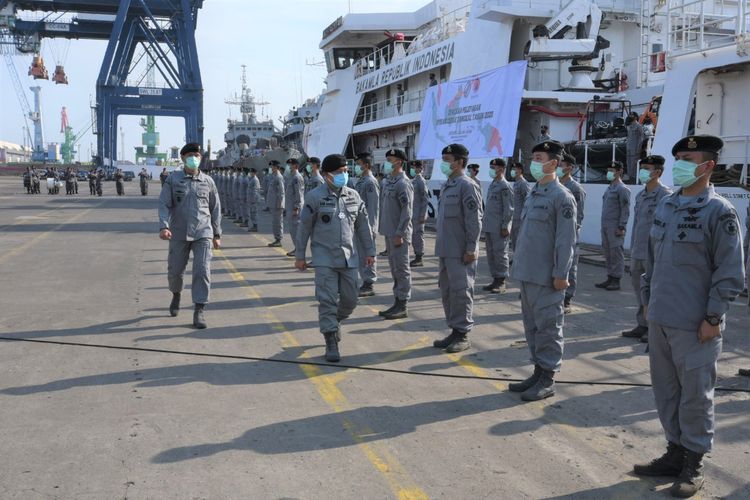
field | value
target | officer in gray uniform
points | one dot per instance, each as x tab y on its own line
275	200
368	189
190	218
565	173
395	225
459	221
230	193
295	198
253	200
521	189
314	179
645	205
242	196
418	212
694	269
334	219
498	215
544	253
615	215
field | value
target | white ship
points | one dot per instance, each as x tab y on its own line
298	119
684	63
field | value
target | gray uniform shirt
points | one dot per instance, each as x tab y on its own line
616	205
295	191
580	196
253	189
694	265
243	188
521	189
421	198
459	218
643	219
498	212
547	236
189	206
313	181
368	190
275	193
332	220
395	210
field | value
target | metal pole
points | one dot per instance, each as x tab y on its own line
585	163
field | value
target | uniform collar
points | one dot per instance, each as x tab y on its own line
700	200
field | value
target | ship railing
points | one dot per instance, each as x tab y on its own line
381	57
410	102
698	26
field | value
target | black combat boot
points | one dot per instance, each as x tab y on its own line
243	224
366	290
275	244
174	306
445	342
399	310
388	311
253	229
417	262
567	308
332	347
529	382
604	284
636	333
613	285
497	286
669	464
690	480
460	343
384	253
543	388
291	253
198	320
743	372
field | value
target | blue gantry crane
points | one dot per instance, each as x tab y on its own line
161	31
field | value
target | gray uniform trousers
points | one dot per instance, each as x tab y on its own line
570	292
398	259
277	223
456	282
336	292
683	375
368	274
293	221
637	268
252	212
543	320
514	228
497	254
417	236
614	252
179	253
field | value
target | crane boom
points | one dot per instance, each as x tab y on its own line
22	100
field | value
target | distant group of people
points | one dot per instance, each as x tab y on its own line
687	262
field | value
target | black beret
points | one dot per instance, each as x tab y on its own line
274	163
331	163
653	160
569	158
396	153
457	150
314	159
497	162
551	147
292	161
190	147
616	164
364	156
252	169
706	143
473	166
416	163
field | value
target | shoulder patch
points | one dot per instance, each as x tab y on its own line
471	205
730	227
568	212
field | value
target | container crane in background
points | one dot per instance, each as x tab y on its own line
68	148
37	141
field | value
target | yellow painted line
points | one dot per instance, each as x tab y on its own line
404	487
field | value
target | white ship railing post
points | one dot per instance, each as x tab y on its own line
585	162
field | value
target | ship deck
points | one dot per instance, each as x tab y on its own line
103	395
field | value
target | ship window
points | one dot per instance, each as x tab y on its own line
343	58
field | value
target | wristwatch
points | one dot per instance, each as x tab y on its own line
713	319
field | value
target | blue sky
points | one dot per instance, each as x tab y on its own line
275	39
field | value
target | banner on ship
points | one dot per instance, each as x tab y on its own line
481	112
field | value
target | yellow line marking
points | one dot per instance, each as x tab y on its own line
401	483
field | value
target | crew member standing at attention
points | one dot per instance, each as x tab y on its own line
694	270
565	173
496	225
419	212
335	219
295	199
395	225
521	189
645	206
163	176
92	182
242	196
275	202
120	182
143	179
615	215
544	253
369	191
314	179
190	218
253	199
459	222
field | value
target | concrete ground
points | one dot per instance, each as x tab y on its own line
106	396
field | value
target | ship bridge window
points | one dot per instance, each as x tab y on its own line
343	58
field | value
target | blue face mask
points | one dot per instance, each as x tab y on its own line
357	169
308	167
513	174
537	170
340	180
683	173
560	172
387	168
445	167
644	176
610	176
192	162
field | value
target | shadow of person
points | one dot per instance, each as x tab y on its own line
630	488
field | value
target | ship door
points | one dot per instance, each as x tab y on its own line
708	116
